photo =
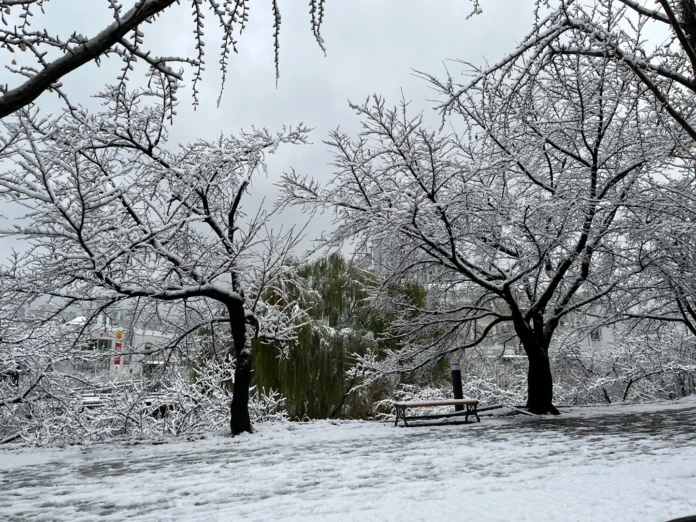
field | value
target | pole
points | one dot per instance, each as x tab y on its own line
457	384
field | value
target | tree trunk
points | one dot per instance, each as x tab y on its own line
539	382
539	379
240	421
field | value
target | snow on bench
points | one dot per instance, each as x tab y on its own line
471	409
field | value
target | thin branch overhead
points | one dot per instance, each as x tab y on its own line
123	38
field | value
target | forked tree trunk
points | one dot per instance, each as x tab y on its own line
539	382
239	408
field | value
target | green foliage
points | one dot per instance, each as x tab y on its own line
312	375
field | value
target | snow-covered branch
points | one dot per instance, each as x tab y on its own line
124	37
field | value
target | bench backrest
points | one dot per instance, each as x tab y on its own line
429	404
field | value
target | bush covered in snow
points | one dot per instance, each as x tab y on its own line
46	397
640	364
129	409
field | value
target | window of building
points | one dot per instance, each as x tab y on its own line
596	335
101	345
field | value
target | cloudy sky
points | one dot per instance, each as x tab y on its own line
372	47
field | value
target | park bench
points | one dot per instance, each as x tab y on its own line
470	404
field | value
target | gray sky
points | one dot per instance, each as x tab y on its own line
372	45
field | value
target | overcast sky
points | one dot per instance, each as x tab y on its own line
372	47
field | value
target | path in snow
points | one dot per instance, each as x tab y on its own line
616	463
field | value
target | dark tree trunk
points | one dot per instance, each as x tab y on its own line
239	409
539	382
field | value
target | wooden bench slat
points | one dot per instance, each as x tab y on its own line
429	404
439	416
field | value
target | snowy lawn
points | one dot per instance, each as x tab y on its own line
618	463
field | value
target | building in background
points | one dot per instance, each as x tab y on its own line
114	352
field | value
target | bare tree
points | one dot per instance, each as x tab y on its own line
657	45
517	219
626	32
57	56
112	215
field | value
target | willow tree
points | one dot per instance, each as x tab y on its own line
343	324
522	210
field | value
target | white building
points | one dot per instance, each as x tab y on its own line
114	352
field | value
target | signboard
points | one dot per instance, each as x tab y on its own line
117	348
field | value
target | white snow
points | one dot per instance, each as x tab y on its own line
632	463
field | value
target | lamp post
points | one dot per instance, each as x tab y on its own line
457	384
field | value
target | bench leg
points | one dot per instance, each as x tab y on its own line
471	410
400	414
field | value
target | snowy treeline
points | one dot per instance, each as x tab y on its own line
656	363
559	185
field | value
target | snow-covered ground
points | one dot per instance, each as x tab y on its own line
592	464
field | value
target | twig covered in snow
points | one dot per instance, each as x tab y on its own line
656	44
54	56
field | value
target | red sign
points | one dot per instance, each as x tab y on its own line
117	348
